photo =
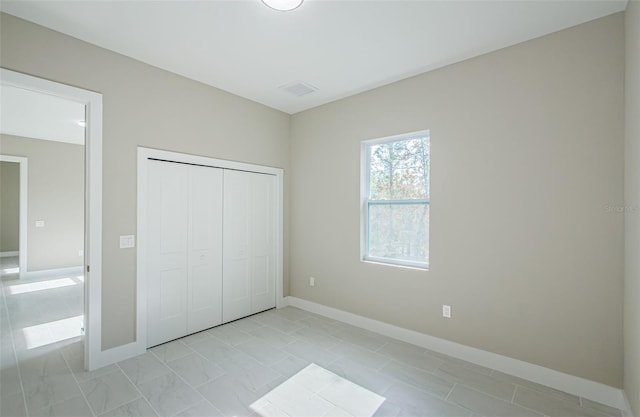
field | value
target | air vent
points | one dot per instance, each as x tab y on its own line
298	89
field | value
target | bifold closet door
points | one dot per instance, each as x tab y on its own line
184	258
205	249
249	264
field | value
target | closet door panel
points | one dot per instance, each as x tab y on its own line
167	252
236	299
205	248
262	226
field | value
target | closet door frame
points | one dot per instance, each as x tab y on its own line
146	154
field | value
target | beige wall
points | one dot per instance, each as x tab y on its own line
55	194
149	107
632	209
527	164
9	206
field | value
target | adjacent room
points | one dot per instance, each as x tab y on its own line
320	208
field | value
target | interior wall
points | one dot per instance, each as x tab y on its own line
526	235
55	194
9	206
632	208
144	106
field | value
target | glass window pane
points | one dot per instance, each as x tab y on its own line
399	231
399	170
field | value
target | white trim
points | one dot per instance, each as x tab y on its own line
93	200
568	383
9	254
23	222
72	270
141	288
280	239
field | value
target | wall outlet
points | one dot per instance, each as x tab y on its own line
446	311
39	223
81	252
128	241
312	282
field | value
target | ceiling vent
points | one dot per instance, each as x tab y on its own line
298	89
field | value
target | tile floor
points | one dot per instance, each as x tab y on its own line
284	362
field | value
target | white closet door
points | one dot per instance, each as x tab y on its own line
167	251
185	250
263	262
205	248
249	244
236	287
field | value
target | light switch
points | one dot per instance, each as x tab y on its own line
128	241
39	223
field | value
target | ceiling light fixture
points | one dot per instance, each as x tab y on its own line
283	5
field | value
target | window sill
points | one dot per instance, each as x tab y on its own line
400	264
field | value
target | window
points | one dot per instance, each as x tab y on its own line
395	203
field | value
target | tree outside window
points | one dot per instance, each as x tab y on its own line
396	200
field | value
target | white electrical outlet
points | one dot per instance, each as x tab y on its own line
312	282
446	311
128	241
39	223
81	252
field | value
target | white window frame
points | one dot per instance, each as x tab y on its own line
365	202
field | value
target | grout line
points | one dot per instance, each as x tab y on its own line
137	389
525	406
13	346
78	383
450	391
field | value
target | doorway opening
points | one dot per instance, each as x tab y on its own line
54	297
13	186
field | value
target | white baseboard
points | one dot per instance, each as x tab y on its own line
581	387
73	270
8	254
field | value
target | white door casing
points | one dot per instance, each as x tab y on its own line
145	157
260	199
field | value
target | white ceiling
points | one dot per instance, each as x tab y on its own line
341	47
36	115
